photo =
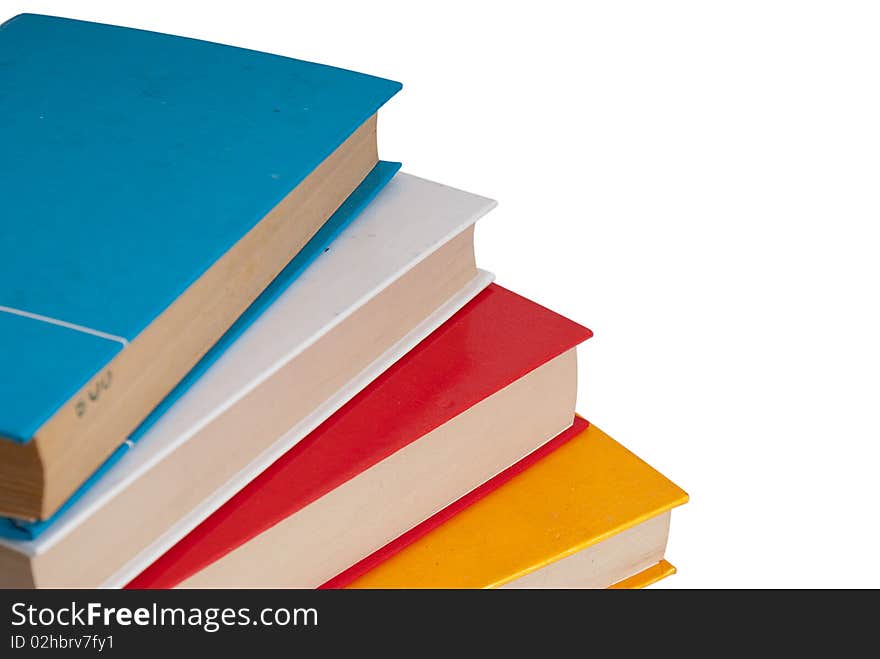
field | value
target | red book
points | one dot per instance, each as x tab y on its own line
426	428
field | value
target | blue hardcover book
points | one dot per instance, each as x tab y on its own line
152	187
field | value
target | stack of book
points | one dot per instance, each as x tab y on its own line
240	350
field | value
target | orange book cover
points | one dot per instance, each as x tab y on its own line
586	490
646	577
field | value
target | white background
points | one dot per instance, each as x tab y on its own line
695	181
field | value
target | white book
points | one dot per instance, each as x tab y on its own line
402	268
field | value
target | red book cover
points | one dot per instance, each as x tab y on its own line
493	341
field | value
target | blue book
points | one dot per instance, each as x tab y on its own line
152	188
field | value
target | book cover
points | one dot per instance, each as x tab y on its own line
647	577
492	342
579	489
132	162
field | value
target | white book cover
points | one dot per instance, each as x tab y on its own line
407	222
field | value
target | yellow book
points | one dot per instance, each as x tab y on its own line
588	514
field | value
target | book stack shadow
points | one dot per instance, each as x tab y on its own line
241	351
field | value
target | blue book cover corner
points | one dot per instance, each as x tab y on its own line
130	162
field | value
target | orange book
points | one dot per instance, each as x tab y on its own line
586	514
